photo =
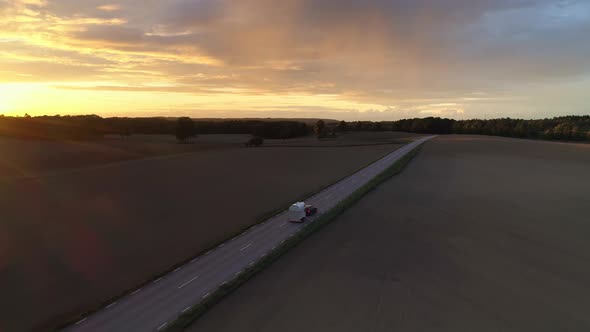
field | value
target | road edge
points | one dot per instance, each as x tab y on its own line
191	315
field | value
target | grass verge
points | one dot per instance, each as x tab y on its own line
187	318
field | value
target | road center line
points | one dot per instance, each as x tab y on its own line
246	247
188	282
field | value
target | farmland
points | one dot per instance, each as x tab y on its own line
477	234
29	157
99	226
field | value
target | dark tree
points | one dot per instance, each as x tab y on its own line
255	141
318	129
342	126
185	128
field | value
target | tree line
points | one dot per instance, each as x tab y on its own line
84	127
568	128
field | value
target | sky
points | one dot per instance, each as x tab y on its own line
336	59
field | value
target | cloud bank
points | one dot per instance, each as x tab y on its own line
394	58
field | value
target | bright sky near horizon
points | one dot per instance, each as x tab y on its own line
339	59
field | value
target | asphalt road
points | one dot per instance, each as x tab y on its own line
153	306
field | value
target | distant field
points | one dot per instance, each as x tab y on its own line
477	234
29	157
347	139
72	240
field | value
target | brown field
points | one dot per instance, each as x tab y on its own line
477	234
29	157
71	240
347	139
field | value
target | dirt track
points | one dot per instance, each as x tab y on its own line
477	234
70	241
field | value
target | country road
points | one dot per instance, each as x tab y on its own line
155	305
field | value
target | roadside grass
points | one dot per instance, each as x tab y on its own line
68	319
196	311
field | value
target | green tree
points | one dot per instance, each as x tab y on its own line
185	128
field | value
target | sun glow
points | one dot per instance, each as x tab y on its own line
108	99
12	96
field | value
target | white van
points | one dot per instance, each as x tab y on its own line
297	212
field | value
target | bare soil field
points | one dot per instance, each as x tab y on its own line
477	234
30	157
72	240
347	139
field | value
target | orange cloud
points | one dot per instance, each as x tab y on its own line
376	58
109	8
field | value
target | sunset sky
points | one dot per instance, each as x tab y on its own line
339	59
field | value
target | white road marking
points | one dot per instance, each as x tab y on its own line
188	282
162	326
176	269
186	309
246	247
137	291
221	245
251	263
206	295
238	273
194	259
283	225
112	304
81	321
157	280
